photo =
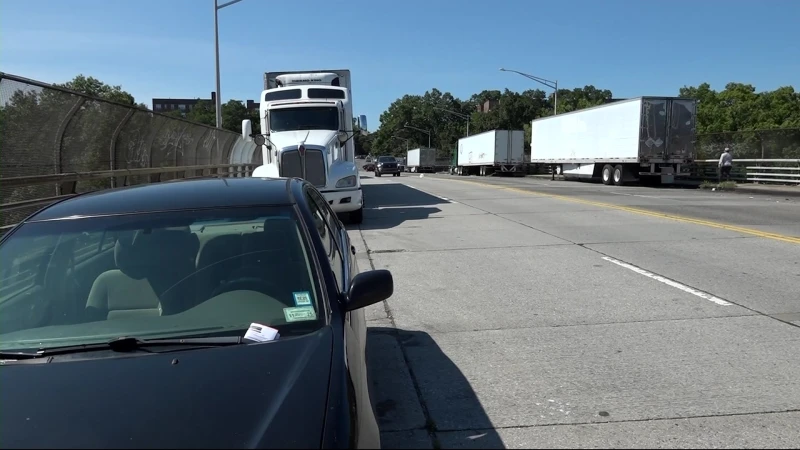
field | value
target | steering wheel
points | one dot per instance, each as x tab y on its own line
245	284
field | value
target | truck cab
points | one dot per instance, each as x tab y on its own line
307	131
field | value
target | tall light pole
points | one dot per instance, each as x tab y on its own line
405	139
420	129
463	116
551	84
217	7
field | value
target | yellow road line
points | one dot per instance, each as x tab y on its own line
644	212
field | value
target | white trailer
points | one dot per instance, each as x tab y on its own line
645	137
491	151
421	160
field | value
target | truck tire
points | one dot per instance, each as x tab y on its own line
377	173
608	174
619	175
356	217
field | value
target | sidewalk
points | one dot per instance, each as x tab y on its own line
742	188
767	189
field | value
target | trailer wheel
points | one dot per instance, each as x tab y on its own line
618	175
608	173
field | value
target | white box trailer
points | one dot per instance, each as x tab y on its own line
619	142
421	160
491	151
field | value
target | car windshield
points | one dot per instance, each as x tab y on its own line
305	118
160	275
386	159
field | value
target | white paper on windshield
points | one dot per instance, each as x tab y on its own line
299	313
261	333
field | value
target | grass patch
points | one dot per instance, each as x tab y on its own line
724	186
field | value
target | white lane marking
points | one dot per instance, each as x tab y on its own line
433	195
669	282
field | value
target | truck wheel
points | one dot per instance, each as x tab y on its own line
356	217
618	175
377	174
608	173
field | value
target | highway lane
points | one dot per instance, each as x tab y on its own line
532	314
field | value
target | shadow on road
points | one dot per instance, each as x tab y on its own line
405	369
391	204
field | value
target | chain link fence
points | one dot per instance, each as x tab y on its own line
758	144
47	130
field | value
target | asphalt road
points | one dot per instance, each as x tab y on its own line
530	313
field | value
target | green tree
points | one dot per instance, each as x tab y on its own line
95	88
755	123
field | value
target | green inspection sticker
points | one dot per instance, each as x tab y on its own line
299	313
302	298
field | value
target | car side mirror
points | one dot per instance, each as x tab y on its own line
369	288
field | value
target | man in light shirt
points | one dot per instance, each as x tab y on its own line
725	165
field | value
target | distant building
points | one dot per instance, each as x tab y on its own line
184	105
487	106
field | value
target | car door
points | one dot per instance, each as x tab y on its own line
342	261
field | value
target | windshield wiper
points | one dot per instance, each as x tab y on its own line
126	344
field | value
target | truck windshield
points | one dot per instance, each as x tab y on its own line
308	118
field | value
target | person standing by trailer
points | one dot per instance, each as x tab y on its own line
725	165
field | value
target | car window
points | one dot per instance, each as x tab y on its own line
156	275
386	159
327	226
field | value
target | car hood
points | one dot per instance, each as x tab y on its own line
268	395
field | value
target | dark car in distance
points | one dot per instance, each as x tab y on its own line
387	165
207	313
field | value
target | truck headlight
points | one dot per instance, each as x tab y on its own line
346	182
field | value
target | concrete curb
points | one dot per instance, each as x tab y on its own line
786	191
778	192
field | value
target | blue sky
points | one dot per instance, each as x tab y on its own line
165	48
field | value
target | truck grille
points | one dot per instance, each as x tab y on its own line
315	166
389	165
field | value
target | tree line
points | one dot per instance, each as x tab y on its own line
736	116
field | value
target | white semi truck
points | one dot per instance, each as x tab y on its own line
627	140
307	132
421	160
491	151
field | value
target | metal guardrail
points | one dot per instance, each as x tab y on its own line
785	171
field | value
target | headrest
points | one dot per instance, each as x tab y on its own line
133	259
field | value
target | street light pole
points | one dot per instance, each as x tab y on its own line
420	129
463	116
551	84
217	7
398	137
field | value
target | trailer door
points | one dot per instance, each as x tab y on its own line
681	131
653	135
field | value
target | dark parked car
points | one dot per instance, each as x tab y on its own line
213	313
387	165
